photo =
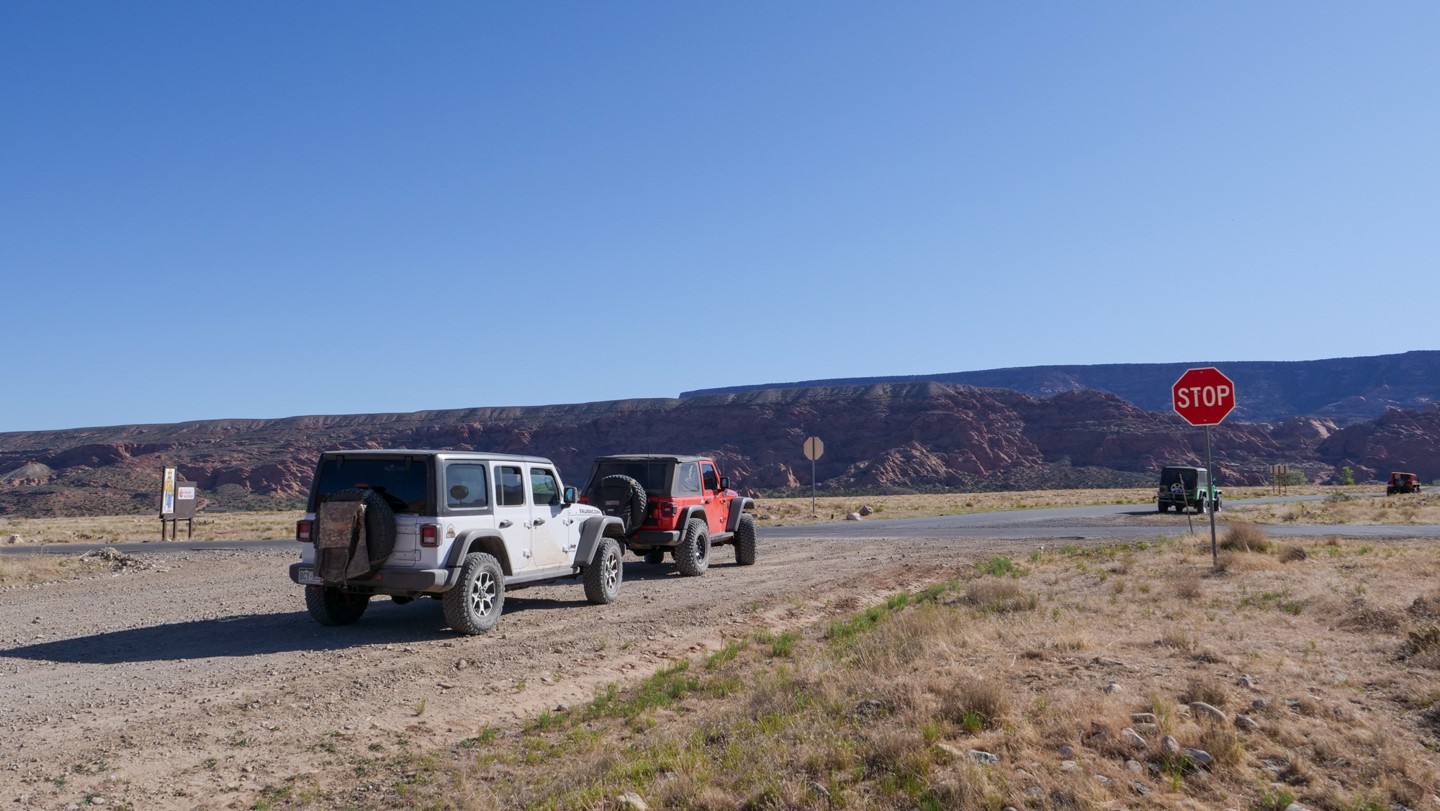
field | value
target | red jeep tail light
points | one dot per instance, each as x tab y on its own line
667	510
302	531
429	535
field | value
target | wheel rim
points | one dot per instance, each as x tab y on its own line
612	573
702	548
482	594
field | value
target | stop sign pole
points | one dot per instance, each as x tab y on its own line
1205	397
814	449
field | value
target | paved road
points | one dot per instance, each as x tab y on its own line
1128	522
1123	522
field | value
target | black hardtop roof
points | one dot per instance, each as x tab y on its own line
1183	467
381	453
651	457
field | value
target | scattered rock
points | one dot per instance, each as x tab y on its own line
1035	793
1139	788
1296	807
1135	766
852	516
1132	738
1247	682
1148	729
461	664
1142	717
1208	712
1246	723
1066	750
1069	766
631	801
15	539
1102	779
866	510
985	758
949	750
819	789
1114	687
1169	745
1200	756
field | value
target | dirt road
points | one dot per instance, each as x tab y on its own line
198	680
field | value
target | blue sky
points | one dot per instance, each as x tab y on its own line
248	210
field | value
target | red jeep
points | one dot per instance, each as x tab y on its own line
1402	483
679	504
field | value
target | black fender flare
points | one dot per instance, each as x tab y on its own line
479	540
738	507
696	511
592	530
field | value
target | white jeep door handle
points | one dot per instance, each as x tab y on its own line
505	523
539	521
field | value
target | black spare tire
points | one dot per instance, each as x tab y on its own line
379	523
624	498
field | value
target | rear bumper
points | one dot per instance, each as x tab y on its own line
386	581
648	538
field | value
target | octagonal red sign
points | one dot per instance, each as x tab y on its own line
1203	396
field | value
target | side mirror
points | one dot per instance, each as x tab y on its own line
570	496
724	482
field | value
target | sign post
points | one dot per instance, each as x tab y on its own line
177	503
1205	397
814	449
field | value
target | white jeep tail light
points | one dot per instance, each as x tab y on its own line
429	535
302	531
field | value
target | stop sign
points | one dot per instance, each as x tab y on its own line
1203	396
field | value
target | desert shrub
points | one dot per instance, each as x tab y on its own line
1245	537
974	704
1292	554
1188	587
1207	689
1423	646
998	597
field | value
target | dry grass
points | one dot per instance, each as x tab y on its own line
16	570
788	511
236	526
1344	506
1242	536
882	708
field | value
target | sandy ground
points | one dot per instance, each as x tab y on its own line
197	680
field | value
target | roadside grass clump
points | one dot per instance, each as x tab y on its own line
998	597
1208	689
1243	536
999	566
974	704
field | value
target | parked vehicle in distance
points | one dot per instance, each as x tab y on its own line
673	504
463	528
1186	488
1402	483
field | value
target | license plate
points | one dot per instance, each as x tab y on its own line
307	576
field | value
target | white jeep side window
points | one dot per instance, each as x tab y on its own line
509	487
544	487
465	486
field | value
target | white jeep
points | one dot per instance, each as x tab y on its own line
460	527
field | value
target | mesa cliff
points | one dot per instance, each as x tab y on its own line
879	438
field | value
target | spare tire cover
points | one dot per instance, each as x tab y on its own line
379	523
